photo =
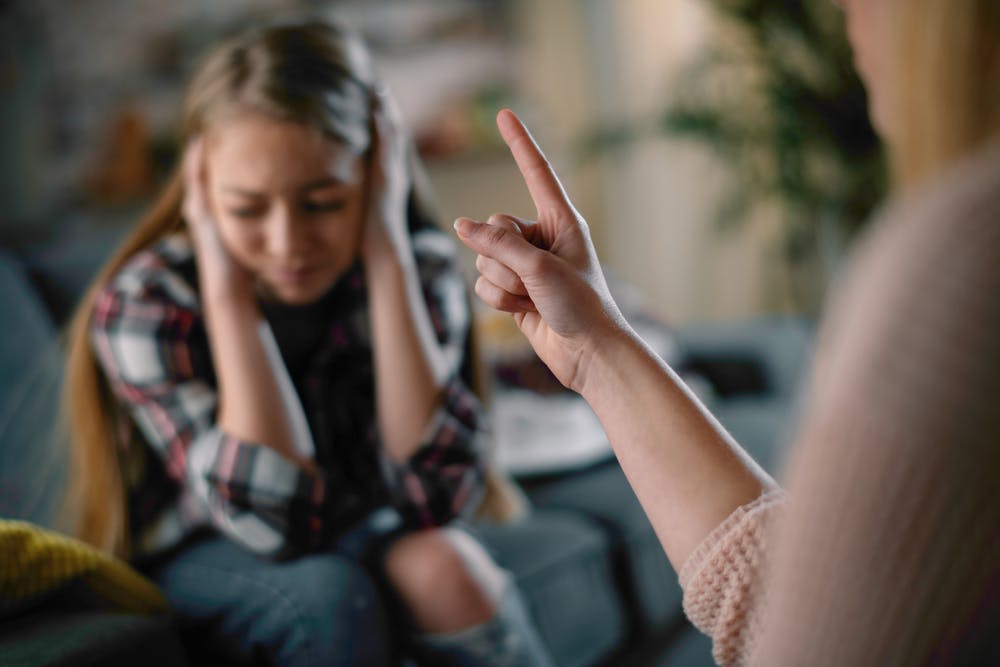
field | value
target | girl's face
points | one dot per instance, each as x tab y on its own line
868	23
288	203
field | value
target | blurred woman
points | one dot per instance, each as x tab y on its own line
885	550
269	386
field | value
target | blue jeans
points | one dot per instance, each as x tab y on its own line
321	609
324	609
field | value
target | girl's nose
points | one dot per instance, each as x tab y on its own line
286	236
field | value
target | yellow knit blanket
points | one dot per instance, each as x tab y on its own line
35	561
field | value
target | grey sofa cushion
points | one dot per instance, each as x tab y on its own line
762	426
604	496
562	566
690	648
26	326
780	346
32	454
62	271
90	638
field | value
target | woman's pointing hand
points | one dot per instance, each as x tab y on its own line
546	273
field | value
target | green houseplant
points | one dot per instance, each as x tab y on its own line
776	97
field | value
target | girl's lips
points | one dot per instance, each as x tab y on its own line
291	276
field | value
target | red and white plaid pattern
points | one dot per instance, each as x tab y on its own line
150	340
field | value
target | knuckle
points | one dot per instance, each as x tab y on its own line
509	302
503	220
493	235
504	302
482	288
492	295
512	282
507	280
537	263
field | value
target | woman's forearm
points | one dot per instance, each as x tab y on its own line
250	403
407	382
688	474
685	469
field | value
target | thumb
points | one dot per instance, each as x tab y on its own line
501	243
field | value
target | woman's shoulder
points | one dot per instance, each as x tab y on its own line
956	218
922	290
165	271
946	232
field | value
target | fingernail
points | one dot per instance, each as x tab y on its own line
465	225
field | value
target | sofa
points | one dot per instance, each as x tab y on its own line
585	557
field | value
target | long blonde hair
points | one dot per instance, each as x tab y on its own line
313	73
945	84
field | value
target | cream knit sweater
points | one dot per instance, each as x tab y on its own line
886	550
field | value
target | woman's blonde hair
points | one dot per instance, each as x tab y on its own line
945	84
313	73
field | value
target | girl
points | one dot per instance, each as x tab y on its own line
269	385
887	548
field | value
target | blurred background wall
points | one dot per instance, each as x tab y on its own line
91	91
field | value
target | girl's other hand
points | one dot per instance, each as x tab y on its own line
545	273
388	183
220	276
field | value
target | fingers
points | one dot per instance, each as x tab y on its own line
514	224
195	207
389	178
500	243
196	211
498	285
496	272
390	138
501	299
386	104
500	275
543	184
379	148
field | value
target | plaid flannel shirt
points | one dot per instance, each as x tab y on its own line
184	472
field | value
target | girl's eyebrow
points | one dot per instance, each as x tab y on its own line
321	184
324	183
233	189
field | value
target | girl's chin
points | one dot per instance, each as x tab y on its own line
294	295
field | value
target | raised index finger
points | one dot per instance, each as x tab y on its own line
543	184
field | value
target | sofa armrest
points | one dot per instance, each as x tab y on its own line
748	357
61	639
754	370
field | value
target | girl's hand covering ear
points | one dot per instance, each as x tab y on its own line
219	274
545	273
388	181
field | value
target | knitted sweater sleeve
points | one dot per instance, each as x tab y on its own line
722	579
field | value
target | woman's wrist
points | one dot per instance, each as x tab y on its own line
607	349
